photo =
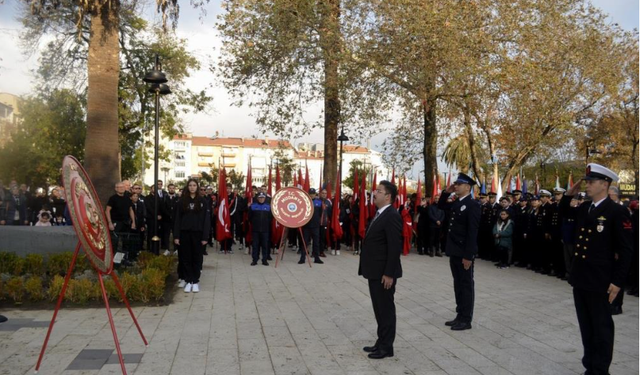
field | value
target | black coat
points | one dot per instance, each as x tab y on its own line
140	213
462	232
196	217
382	246
600	235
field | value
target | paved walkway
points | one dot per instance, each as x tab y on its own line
296	320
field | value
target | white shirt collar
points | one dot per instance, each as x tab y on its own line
381	209
596	204
464	197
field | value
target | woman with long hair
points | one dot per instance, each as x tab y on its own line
502	234
191	233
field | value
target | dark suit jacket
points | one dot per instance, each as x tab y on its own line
382	246
462	231
600	235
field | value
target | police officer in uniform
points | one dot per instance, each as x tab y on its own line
462	246
555	229
260	218
520	218
311	231
484	236
545	215
600	265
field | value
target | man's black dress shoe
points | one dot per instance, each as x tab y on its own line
301	261
460	326
451	323
379	354
370	349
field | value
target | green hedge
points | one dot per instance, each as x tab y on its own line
35	278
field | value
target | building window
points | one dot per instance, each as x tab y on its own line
180	163
179	174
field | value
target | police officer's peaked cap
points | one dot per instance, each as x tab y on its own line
464	179
262	195
599	172
313	191
545	193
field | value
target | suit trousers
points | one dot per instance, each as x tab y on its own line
463	287
384	309
311	234
190	255
260	242
596	329
323	238
434	239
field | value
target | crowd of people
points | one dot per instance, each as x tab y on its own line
516	230
19	206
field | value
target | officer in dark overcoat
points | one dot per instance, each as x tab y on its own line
600	264
462	246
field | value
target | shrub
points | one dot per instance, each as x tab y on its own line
144	258
109	287
15	289
1	289
162	263
33	287
130	286
18	267
7	262
82	263
152	283
80	291
58	264
55	287
34	264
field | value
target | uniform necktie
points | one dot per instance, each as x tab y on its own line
593	205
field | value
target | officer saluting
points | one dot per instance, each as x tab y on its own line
462	246
600	265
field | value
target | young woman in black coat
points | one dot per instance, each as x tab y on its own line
191	232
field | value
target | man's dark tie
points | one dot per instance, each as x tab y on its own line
593	205
375	217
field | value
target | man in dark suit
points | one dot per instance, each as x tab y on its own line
462	246
600	263
380	265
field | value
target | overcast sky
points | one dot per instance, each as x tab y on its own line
16	77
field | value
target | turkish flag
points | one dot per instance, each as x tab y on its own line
223	225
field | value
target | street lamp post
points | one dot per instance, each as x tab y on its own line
158	87
341	138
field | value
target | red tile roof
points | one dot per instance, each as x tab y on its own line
234	141
311	155
355	149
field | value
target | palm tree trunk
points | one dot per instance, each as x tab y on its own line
475	163
101	144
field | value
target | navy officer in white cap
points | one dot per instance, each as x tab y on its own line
462	246
601	262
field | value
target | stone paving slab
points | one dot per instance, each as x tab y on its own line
300	320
